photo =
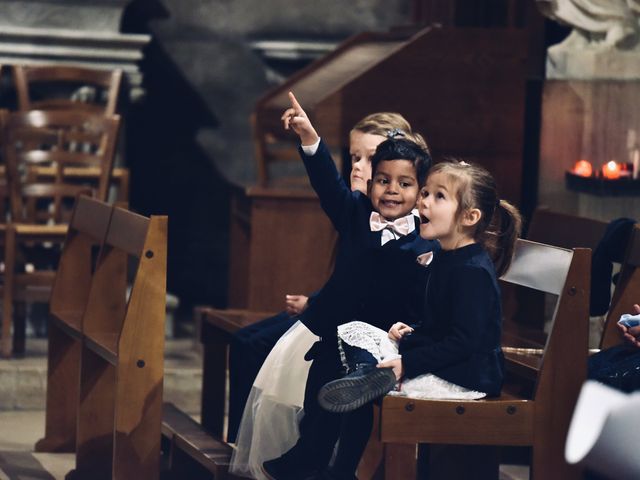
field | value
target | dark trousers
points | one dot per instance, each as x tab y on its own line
618	367
249	347
320	429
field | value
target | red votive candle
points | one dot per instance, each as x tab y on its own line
583	168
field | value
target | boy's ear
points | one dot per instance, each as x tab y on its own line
471	217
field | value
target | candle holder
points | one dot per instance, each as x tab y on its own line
597	184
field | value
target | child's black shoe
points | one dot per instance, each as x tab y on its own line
356	389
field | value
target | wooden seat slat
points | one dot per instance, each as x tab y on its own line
188	436
105	345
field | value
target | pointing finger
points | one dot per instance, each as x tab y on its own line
294	102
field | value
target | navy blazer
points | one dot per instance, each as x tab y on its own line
459	336
370	282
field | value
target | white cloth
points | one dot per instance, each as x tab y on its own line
310	150
269	425
378	343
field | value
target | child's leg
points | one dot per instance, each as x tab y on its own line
319	429
354	435
249	347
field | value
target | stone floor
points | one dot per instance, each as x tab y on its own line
22	402
23	380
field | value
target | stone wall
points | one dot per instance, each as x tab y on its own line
192	135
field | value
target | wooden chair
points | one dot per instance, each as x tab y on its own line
626	293
39	210
40	88
69	295
524	309
539	419
121	367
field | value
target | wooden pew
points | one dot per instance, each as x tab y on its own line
539	419
215	330
121	370
106	347
280	242
193	452
69	295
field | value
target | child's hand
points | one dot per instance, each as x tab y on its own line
396	364
399	330
297	119
295	304
632	334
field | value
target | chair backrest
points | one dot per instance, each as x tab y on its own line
565	273
86	232
55	142
527	309
54	87
626	293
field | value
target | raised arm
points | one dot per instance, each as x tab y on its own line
335	197
296	119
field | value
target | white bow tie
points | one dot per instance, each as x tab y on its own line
391	230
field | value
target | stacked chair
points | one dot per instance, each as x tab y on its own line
53	149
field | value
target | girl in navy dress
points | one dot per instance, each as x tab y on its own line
455	351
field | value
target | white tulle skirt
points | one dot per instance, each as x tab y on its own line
269	425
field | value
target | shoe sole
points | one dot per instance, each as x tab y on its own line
348	394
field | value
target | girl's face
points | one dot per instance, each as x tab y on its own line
394	188
361	147
438	207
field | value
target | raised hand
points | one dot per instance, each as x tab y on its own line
296	119
632	335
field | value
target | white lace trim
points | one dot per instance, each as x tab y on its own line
369	338
377	342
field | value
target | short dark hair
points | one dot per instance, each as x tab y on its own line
403	149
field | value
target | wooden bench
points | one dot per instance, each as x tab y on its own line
69	295
215	330
118	338
193	452
539	419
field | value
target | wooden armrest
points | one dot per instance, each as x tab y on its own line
230	320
